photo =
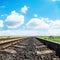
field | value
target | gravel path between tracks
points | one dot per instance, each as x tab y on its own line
28	49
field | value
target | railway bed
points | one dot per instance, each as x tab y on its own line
28	49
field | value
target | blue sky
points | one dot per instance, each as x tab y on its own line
29	17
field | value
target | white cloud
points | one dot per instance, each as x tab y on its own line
53	32
43	23
19	33
24	9
14	20
29	32
54	28
35	15
36	23
37	26
55	24
1	23
48	27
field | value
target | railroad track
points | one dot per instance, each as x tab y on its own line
6	43
28	49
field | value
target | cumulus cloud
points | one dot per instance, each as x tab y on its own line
14	20
55	24
37	26
54	28
53	32
1	23
24	9
36	23
48	27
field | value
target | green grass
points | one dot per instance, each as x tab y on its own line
51	38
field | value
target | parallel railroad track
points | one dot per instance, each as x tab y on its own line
28	49
6	43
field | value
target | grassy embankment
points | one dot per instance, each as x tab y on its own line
51	38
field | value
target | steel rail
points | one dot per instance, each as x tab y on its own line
7	43
10	40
